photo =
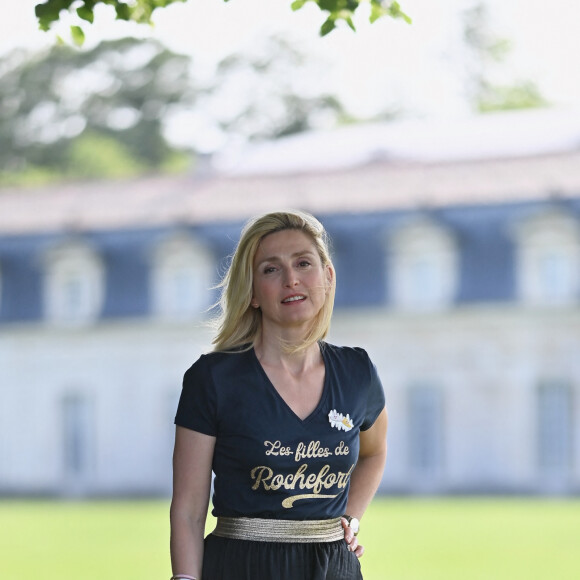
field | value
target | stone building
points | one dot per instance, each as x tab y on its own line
457	250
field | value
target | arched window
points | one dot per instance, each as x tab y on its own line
181	278
74	283
548	259
423	272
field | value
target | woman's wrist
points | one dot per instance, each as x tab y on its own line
353	523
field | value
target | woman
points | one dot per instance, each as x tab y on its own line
293	428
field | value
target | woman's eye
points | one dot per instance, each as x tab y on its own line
304	263
269	269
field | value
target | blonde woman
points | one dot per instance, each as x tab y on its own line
293	428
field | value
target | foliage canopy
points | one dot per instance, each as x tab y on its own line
49	11
99	111
129	106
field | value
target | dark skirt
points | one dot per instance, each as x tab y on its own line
228	559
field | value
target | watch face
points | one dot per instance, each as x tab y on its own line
354	525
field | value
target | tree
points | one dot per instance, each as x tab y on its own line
141	11
57	105
130	106
276	93
485	52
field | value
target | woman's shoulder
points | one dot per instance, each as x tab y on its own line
345	351
213	360
345	354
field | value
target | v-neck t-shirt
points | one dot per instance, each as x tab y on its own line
268	462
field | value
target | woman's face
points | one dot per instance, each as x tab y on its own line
290	282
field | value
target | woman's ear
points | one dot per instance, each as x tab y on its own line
329	277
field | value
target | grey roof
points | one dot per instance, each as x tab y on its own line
508	134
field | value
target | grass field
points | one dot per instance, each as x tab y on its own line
405	539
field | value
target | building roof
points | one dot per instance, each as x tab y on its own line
493	159
508	134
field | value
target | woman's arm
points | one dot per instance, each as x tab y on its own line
367	475
192	459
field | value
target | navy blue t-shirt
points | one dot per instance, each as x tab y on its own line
268	462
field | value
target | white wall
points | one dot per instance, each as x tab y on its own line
487	363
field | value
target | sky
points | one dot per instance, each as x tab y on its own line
418	66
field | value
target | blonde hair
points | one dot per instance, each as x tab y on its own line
239	324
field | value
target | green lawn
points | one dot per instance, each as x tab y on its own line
406	539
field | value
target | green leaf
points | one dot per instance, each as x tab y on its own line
86	13
330	5
396	12
377	11
123	11
350	23
297	4
328	26
49	12
78	35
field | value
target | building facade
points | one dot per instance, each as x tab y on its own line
458	269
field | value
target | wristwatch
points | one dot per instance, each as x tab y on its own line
353	524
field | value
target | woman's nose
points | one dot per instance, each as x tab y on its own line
290	278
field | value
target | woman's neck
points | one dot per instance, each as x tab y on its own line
274	352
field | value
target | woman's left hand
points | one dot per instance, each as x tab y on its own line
351	540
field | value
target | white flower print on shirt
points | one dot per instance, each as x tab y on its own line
340	421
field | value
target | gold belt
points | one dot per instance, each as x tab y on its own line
267	530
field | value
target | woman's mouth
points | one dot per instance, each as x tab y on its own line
295	298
